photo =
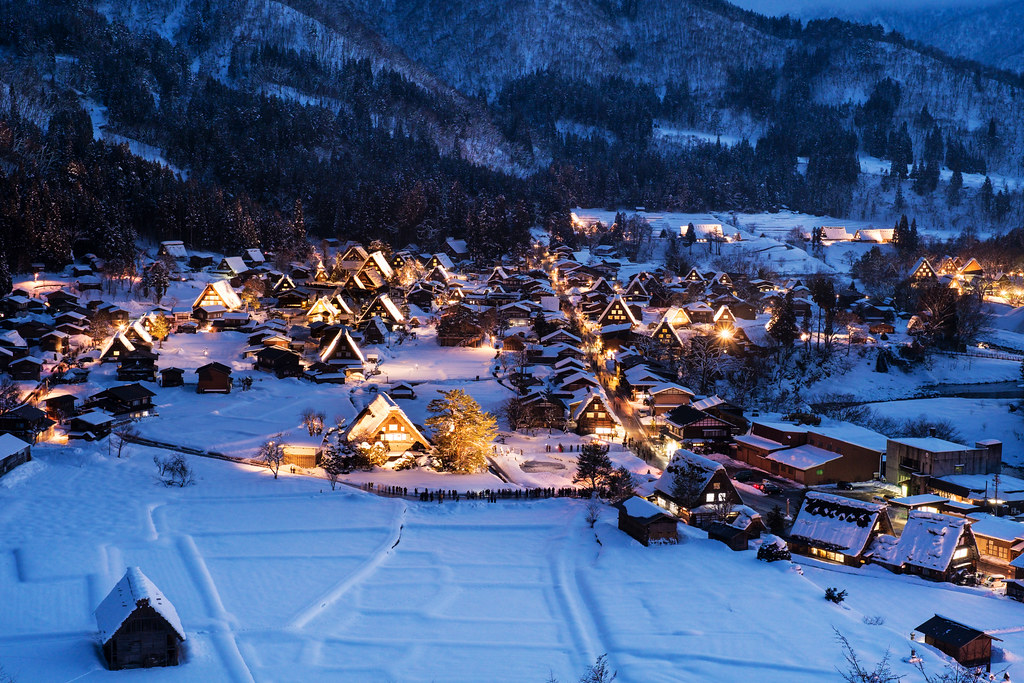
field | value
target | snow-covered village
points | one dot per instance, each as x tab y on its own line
399	465
580	342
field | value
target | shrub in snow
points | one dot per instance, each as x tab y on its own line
773	549
877	620
835	595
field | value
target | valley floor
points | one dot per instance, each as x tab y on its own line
288	581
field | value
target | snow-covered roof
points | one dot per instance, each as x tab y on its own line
641	508
929	539
919	499
132	591
175	249
761	442
376	411
223	289
235	264
457	246
10	444
842	524
391	308
255	255
444	260
1002	528
682	458
853	434
94	418
803	457
932	444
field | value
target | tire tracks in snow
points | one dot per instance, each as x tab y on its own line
336	592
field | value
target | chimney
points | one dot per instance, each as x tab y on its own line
931	431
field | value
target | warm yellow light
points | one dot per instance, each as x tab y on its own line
725	333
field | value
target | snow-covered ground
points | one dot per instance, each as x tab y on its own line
287	581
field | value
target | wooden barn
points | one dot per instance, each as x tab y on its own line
139	627
214	378
646	522
968	646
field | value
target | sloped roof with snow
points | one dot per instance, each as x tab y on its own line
837	523
10	444
134	590
376	411
683	457
235	264
930	539
641	508
803	457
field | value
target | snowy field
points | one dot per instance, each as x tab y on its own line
975	418
287	581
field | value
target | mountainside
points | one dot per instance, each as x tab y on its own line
988	31
409	120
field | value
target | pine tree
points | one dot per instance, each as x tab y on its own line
782	326
690	236
987	195
593	466
462	432
956	185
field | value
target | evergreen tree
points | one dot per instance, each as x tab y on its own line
956	185
987	195
619	484
782	326
690	236
593	466
462	432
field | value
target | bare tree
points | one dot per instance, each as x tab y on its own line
593	513
313	421
272	453
854	671
174	470
515	412
121	436
10	395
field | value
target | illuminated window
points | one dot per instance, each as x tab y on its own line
960	553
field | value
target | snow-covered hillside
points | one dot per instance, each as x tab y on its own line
287	581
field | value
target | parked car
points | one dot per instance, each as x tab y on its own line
744	476
844	486
770	488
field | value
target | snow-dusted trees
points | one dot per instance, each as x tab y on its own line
593	466
272	453
782	326
10	394
313	421
462	432
334	465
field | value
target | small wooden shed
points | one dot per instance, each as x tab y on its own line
968	646
139	627
214	378
734	537
646	522
172	377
